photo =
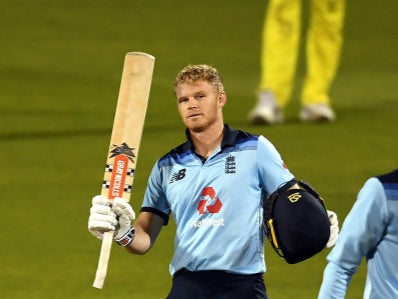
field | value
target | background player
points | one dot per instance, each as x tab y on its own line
280	45
371	231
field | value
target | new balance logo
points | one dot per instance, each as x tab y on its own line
176	176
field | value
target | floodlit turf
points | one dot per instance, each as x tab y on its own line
60	69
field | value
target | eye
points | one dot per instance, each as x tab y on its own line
200	96
182	100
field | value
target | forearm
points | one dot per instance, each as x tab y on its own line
147	228
141	243
335	282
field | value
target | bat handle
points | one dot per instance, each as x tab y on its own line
103	260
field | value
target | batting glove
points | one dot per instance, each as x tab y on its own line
334	229
102	217
124	233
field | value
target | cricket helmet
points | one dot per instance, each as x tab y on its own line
296	222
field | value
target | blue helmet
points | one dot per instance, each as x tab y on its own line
296	222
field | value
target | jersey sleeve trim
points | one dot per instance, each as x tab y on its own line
156	212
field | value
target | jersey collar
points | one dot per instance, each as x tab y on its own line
229	138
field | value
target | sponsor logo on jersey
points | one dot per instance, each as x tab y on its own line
207	222
178	175
209	204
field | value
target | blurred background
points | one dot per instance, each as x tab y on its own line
60	70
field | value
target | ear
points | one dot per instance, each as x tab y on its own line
222	99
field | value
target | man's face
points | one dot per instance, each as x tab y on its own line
199	104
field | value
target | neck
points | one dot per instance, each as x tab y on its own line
207	141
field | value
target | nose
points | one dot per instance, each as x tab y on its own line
192	103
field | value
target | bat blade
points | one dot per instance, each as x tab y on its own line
125	140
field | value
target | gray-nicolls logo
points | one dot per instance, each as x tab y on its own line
123	149
178	175
230	164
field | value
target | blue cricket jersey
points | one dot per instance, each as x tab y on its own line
217	203
370	230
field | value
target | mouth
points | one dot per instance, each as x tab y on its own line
193	115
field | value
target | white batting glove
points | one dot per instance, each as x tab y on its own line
102	217
124	233
334	229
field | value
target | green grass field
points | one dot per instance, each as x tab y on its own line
60	69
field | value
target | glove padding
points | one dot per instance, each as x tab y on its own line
334	229
125	214
102	217
106	215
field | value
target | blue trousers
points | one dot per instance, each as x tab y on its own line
217	285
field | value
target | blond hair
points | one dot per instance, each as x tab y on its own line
199	72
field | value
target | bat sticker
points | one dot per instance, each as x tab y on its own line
123	149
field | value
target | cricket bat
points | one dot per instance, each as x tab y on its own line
125	140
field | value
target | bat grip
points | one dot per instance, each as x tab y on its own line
103	260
